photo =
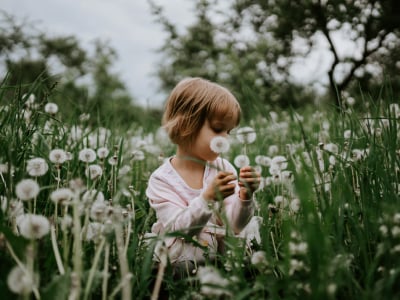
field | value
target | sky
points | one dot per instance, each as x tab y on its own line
131	30
127	24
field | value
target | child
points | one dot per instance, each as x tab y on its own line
185	189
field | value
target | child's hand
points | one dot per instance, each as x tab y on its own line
220	187
249	181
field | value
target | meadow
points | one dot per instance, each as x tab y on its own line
75	222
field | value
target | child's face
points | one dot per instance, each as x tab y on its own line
210	129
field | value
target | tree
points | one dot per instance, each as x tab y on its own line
82	84
372	26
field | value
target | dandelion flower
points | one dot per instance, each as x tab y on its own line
263	160
98	211
212	283
27	189
241	161
113	160
94	172
61	195
137	155
87	155
58	156
347	134
246	135
102	152
92	195
51	108
295	205
33	226
37	167
20	281
280	162
259	258
219	144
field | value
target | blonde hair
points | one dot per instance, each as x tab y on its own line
191	103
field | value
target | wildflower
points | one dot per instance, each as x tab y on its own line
58	156
93	171
347	134
259	258
61	195
280	162
241	161
27	189
350	101
263	160
219	144
272	150
295	205
92	195
246	135
93	231
87	155
20	281
137	155
212	283
331	289
252	230
113	160
331	148
51	108
102	152
98	211
33	226
37	167
281	201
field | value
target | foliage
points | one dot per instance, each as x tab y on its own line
256	43
326	225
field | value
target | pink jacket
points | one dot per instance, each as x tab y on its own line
180	208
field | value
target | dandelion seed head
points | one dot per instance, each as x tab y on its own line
246	135
241	161
273	150
280	162
87	155
27	189
33	226
259	258
137	155
51	108
94	171
211	281
103	152
219	144
61	195
37	167
58	156
263	160
20	282
295	205
92	196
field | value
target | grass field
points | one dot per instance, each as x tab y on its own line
74	219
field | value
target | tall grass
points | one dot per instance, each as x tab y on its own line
327	225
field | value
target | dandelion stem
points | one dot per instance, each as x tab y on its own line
273	244
93	269
56	251
160	276
23	268
105	272
77	250
126	288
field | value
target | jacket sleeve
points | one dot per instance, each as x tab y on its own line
238	212
173	212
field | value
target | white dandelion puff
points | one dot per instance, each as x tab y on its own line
280	162
92	196
61	195
58	156
241	161
212	283
263	160
33	226
219	144
93	171
259	258
87	155
295	205
102	152
51	108
246	135
37	167
113	160
27	189
20	281
137	155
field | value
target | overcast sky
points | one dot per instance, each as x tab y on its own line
127	24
